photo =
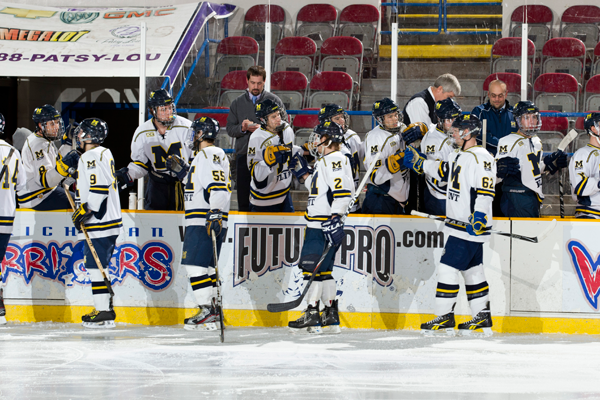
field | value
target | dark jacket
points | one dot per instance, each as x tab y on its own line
429	100
500	123
242	108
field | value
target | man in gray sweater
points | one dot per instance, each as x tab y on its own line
241	122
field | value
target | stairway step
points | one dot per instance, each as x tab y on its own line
438	51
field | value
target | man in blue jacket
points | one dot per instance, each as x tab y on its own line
498	113
500	123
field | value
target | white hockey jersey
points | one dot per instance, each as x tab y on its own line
354	149
39	165
330	188
436	146
396	185
208	186
269	185
529	152
97	186
471	176
584	173
14	179
150	149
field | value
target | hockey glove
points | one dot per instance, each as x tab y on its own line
177	165
556	161
67	138
414	132
413	159
123	177
278	154
477	220
394	162
67	165
507	166
214	222
333	229
299	167
82	214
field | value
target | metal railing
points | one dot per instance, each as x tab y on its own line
442	19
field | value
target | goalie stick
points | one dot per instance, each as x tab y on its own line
6	161
219	298
92	249
280	307
531	239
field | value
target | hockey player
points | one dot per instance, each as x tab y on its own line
99	212
13	179
152	144
470	173
331	187
437	146
207	197
388	191
584	171
45	167
351	147
269	150
520	166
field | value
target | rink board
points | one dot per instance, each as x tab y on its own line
385	272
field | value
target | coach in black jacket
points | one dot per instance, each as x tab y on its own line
241	122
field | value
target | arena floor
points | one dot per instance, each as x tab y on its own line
65	361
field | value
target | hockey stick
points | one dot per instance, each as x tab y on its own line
561	147
92	249
219	298
279	307
531	239
6	161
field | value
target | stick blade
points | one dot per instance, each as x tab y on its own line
567	140
280	307
547	231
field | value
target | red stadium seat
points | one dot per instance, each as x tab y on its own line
295	53
556	92
317	21
220	117
539	19
360	21
506	56
345	54
331	87
254	23
566	55
596	60
555	124
291	88
233	84
235	53
591	99
581	22
303	126
513	86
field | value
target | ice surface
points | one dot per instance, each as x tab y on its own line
65	361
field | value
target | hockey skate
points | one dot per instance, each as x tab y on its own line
206	319
442	324
481	323
99	319
310	320
330	319
2	309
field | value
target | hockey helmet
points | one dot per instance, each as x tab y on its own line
463	123
324	134
329	111
48	122
92	130
203	128
591	120
162	107
2	124
382	108
266	108
527	117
